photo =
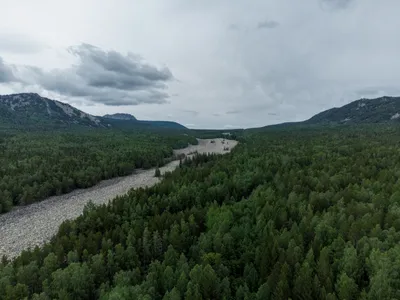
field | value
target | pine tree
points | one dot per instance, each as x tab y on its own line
192	292
346	288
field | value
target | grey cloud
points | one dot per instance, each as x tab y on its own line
272	114
233	112
116	70
368	91
312	61
6	73
129	98
19	43
104	77
260	108
229	126
267	24
192	112
216	115
335	4
234	27
377	91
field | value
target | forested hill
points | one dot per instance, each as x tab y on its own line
379	110
287	215
120	116
127	121
29	110
134	124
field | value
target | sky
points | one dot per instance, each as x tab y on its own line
204	64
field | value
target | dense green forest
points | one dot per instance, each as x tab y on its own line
299	214
35	165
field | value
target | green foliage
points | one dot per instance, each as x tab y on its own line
75	281
309	214
37	165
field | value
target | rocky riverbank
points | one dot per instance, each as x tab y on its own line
29	226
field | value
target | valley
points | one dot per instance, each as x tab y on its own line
306	210
32	225
37	165
199	150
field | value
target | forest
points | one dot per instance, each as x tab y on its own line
35	165
312	213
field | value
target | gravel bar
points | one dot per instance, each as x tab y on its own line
33	225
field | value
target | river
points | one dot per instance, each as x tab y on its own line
33	225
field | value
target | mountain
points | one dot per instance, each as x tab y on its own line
32	110
141	124
163	124
121	120
378	110
120	116
363	111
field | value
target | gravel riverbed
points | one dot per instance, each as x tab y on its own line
29	226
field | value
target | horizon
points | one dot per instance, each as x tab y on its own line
200	128
203	65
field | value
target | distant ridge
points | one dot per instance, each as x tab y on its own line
363	111
32	111
120	116
124	120
134	123
378	110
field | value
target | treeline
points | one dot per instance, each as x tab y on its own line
311	214
37	165
234	134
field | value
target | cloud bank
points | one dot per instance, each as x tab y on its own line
336	4
6	74
267	24
16	43
106	77
239	64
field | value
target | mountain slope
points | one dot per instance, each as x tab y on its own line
132	124
379	110
120	116
163	124
126	121
32	110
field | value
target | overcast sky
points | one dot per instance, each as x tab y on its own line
205	64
